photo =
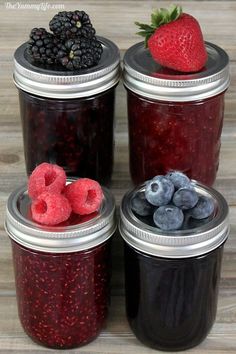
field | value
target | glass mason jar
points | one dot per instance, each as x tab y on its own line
68	117
175	119
172	278
62	273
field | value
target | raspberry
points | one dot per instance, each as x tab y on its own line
85	196
46	178
50	209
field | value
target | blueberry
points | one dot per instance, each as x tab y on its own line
178	179
168	218
185	198
140	205
159	191
204	208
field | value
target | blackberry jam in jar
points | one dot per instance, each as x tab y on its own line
62	273
68	117
172	278
175	119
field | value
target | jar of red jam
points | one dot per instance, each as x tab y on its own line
62	273
68	117
175	119
172	278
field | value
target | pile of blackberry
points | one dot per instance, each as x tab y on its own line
72	43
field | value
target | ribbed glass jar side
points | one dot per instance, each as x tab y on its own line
77	134
184	136
62	272
62	297
172	277
171	304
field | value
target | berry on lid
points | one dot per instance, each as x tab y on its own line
72	45
85	196
53	202
175	40
171	203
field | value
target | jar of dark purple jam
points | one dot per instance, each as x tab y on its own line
62	273
172	278
175	119
68	117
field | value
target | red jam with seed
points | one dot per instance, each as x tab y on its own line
175	119
182	136
62	272
62	298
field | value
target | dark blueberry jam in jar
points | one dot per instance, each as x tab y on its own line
62	273
175	119
68	117
172	278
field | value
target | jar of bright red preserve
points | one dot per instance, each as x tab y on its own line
62	273
172	278
175	119
68	117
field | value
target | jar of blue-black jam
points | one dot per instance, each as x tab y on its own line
172	278
68	116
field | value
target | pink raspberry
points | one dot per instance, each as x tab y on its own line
46	177
85	196
50	208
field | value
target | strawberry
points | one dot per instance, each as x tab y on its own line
175	40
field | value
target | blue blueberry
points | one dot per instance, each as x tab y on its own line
178	179
168	218
140	205
159	191
185	198
204	208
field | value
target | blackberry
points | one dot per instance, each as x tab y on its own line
42	46
79	53
68	24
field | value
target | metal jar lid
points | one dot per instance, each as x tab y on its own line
147	78
67	84
175	244
58	239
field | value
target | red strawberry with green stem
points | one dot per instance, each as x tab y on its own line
175	40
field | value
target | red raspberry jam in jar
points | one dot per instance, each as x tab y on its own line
175	119
68	117
62	273
172	278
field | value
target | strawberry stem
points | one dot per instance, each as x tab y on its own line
159	17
